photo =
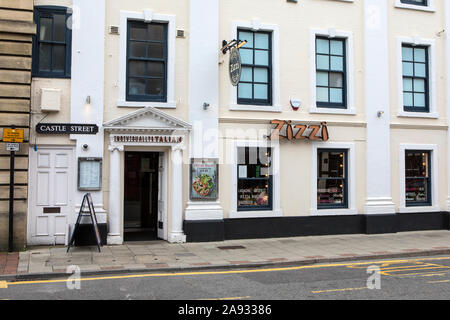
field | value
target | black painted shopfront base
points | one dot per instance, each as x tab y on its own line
277	227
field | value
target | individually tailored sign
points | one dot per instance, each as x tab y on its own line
235	66
298	131
12	135
204	179
66	128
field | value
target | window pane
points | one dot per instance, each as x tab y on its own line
59	33
322	94
138	31
137	49
155	69
45	31
322	46
416	163
137	68
261	91
246	56
136	86
45	54
261	75
246	36
419	70
59	58
323	62
322	79
337	63
419	100
336	80
416	190
330	191
408	69
155	32
407	54
253	193
419	55
261	41
336	47
336	95
245	90
156	50
419	85
246	74
261	58
407	84
155	87
331	164
407	99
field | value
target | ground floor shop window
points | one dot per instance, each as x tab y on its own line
254	187
332	180
417	178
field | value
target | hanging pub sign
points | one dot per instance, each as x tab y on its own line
298	131
204	179
66	128
235	66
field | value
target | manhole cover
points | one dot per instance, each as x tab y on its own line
231	247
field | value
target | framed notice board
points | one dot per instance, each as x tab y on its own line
89	174
204	179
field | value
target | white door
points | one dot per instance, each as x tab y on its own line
50	195
161	195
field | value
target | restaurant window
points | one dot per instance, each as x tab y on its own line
254	179
146	61
52	42
417	2
330	73
255	85
415	78
417	178
332	179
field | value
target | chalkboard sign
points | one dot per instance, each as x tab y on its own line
87	200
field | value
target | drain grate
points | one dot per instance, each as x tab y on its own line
231	247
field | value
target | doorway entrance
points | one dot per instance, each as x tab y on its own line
141	196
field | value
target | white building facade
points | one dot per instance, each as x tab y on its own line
339	123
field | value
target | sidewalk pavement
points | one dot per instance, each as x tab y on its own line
48	261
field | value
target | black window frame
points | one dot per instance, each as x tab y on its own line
269	207
429	177
147	97
253	101
345	188
49	11
426	79
423	3
335	105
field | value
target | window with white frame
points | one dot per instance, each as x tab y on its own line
422	5
418	177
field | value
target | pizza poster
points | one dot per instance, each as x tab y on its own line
204	180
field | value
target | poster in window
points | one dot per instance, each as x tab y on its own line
89	174
204	179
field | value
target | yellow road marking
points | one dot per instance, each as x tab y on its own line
339	290
228	298
350	265
3	285
438	281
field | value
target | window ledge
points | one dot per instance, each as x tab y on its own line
333	212
134	104
419	209
242	107
429	8
350	111
407	114
255	214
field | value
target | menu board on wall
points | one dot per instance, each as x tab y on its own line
204	179
89	174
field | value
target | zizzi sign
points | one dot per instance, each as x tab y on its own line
66	128
235	66
310	132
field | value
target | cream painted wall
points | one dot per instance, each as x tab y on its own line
295	21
